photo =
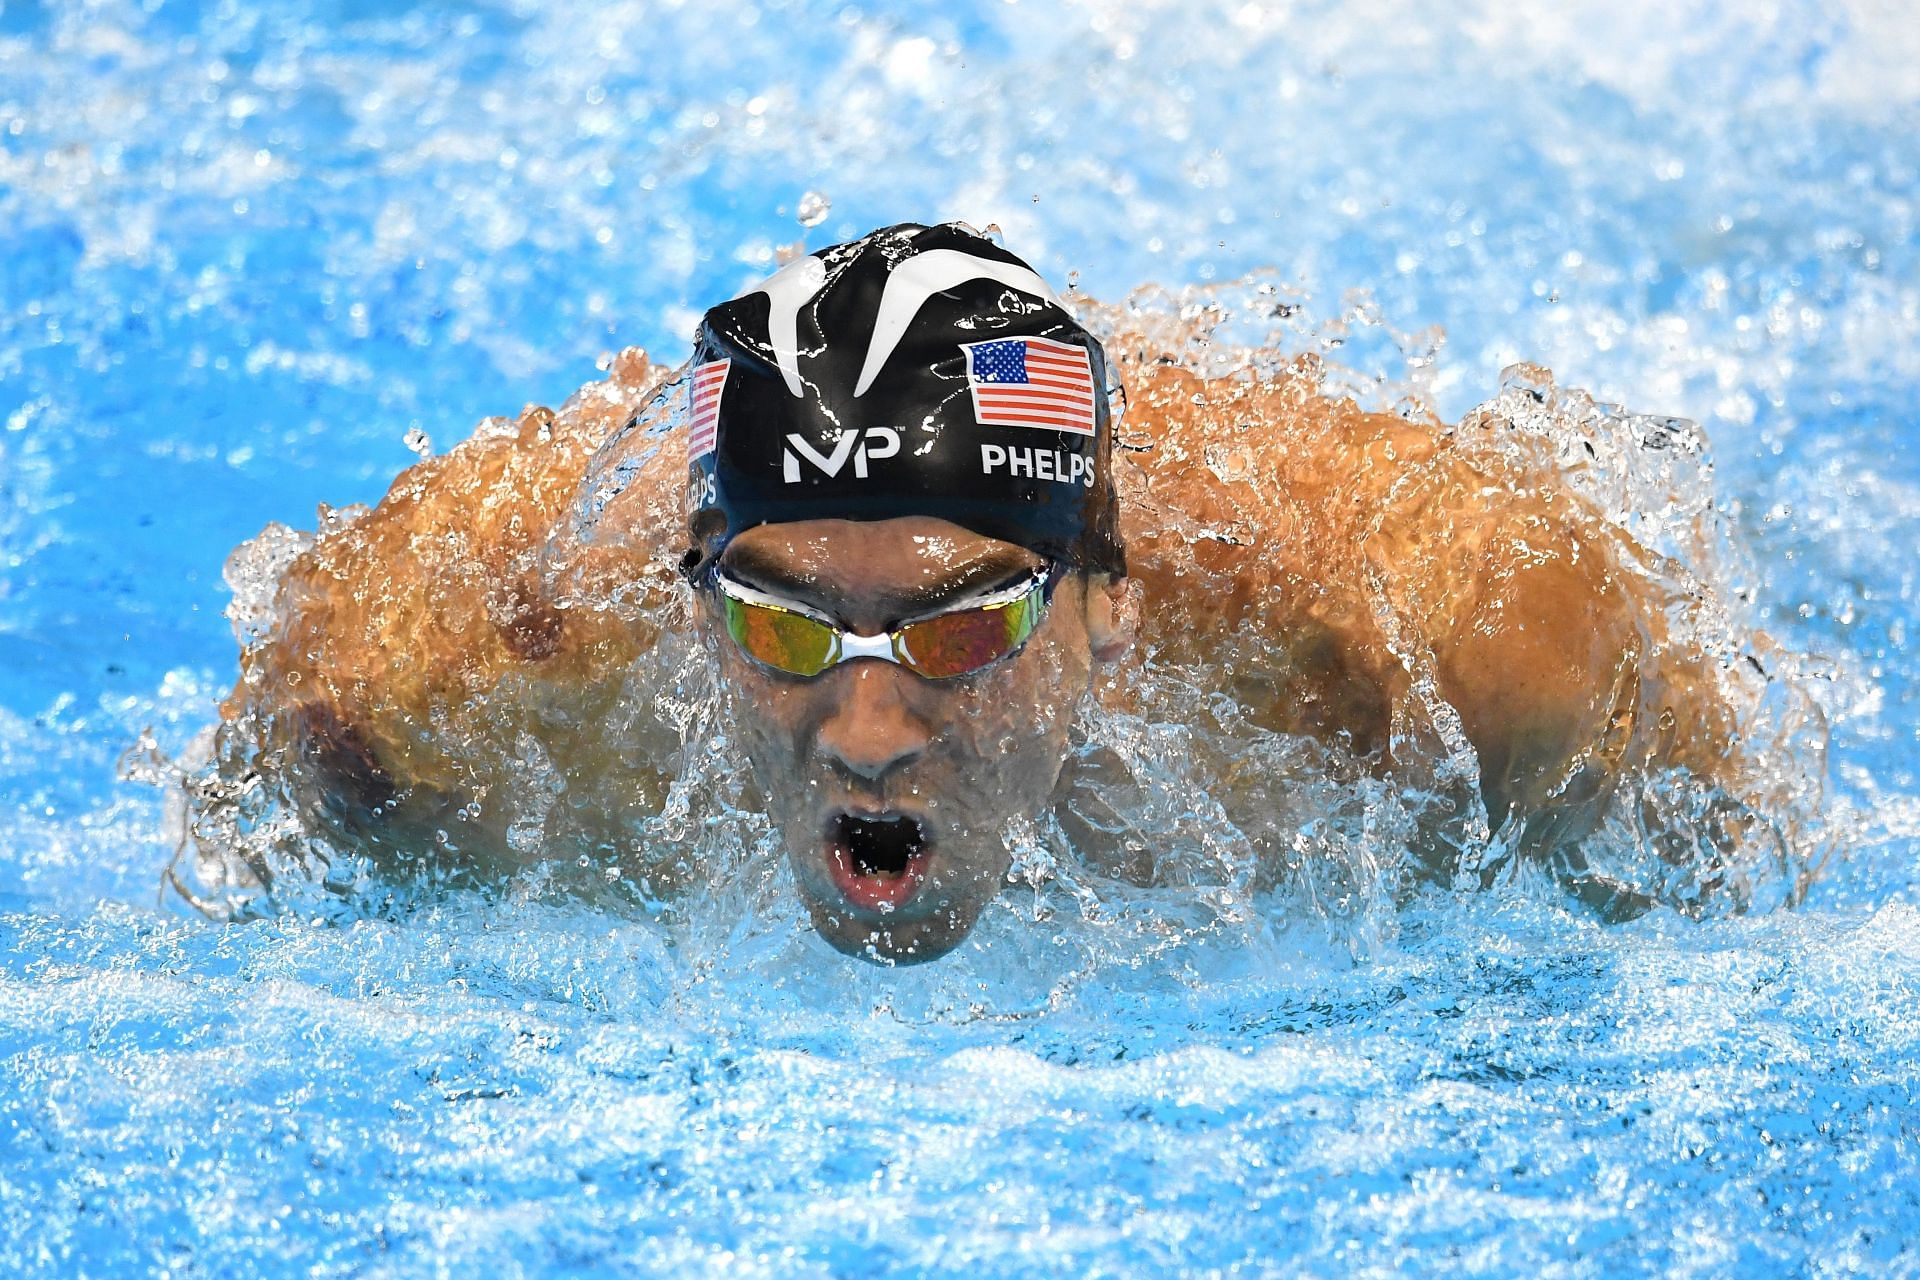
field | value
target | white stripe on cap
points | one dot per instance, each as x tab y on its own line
910	284
788	290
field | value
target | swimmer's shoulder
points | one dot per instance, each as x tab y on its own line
405	627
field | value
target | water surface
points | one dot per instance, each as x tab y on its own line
243	254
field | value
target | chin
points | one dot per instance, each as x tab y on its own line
890	942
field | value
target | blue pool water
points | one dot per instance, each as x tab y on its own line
244	251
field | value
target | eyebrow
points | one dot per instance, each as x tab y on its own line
767	571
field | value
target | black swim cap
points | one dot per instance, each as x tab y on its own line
915	371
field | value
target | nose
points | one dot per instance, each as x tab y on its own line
871	729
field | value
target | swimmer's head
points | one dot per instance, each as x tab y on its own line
894	788
905	538
917	371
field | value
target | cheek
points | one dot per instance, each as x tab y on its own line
765	717
1024	711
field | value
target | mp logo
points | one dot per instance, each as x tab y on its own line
860	446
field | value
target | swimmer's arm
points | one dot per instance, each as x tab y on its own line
1540	654
1555	657
420	653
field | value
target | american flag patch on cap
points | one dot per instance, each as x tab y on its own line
1031	382
708	381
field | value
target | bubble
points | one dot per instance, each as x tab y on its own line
814	208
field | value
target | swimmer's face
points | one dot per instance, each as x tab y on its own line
893	791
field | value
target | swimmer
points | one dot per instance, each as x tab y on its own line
887	501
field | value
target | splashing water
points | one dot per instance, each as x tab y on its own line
1192	770
249	251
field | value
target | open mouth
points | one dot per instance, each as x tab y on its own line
877	863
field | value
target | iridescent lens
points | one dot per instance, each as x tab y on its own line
953	644
784	640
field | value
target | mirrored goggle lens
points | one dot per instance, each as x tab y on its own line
953	644
785	641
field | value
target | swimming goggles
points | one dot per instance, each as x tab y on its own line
782	635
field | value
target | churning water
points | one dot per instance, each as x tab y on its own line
255	261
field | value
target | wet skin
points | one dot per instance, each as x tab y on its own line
869	739
430	660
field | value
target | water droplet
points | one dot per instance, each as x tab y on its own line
814	209
418	441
